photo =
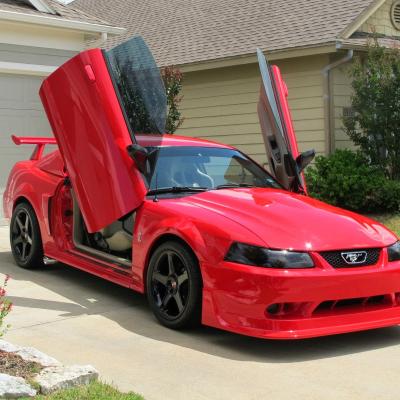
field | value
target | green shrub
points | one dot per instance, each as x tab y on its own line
374	125
346	179
173	79
388	196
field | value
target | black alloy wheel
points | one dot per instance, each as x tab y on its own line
25	238
174	286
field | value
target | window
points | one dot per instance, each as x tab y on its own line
208	167
228	169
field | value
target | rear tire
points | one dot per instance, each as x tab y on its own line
174	286
25	237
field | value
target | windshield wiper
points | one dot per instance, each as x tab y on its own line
177	189
233	185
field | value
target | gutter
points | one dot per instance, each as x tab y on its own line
87	27
250	58
26	69
328	103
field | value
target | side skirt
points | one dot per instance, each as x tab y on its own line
87	251
93	266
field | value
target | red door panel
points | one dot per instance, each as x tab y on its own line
282	93
90	129
277	127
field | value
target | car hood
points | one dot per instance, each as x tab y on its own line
285	220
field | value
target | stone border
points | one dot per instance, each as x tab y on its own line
54	376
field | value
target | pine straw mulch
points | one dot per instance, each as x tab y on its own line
13	364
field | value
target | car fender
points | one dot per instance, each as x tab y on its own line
208	237
147	240
37	187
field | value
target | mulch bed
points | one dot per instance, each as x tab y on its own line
13	364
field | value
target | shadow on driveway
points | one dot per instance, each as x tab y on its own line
89	295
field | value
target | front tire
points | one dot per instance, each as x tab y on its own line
174	286
25	238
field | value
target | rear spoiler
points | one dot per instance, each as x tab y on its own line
40	143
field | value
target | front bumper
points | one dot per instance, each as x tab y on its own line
305	303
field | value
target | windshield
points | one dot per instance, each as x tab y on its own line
138	83
205	167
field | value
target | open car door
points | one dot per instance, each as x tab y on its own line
286	164
96	103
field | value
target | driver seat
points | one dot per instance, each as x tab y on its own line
119	234
190	175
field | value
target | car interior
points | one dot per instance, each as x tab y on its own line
181	172
112	243
200	171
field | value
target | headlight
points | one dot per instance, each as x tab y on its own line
261	257
394	252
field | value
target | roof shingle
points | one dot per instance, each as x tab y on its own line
62	11
187	31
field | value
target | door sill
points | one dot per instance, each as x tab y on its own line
100	256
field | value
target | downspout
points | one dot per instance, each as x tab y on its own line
103	36
328	103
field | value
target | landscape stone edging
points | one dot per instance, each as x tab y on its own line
12	387
56	378
53	376
29	354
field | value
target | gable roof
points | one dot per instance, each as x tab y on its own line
190	31
55	10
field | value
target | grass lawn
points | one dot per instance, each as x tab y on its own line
95	391
392	221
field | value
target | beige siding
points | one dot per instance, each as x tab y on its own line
221	104
341	92
381	22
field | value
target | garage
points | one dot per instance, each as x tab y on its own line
21	113
36	37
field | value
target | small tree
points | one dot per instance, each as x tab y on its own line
173	79
375	122
5	306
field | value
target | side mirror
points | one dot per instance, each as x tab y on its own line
304	159
141	157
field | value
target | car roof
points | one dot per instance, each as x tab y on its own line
167	140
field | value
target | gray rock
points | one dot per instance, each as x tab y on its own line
13	388
8	347
54	376
61	377
29	354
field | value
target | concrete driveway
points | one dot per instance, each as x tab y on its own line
78	318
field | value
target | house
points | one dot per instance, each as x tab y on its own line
36	36
214	43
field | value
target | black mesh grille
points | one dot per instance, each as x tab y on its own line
355	258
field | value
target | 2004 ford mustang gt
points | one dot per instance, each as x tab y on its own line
198	226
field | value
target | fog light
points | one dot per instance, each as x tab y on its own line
273	309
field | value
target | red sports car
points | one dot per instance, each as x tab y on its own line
199	227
